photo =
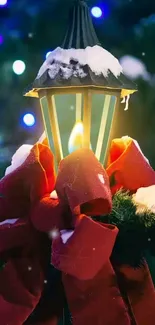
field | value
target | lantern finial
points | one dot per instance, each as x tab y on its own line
81	32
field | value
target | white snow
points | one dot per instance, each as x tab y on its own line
54	195
144	198
21	154
126	101
65	235
18	158
8	221
101	178
67	71
97	58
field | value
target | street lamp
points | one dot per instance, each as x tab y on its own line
79	87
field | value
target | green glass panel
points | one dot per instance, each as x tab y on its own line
46	117
96	114
66	113
108	127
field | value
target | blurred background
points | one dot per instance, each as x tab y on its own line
30	29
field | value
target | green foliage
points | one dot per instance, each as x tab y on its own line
136	234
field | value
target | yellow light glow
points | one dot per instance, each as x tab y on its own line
76	138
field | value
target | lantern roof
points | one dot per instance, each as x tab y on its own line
81	61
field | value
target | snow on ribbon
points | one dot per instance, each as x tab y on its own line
8	222
18	158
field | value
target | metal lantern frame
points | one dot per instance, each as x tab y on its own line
51	123
81	35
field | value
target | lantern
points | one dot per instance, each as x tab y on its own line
79	87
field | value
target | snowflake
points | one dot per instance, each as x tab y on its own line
101	178
53	234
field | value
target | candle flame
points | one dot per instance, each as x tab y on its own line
76	137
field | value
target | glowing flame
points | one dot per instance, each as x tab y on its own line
76	137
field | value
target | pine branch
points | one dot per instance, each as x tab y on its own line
136	231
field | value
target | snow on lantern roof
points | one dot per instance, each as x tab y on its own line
81	61
71	62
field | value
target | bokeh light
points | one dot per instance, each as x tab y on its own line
1	40
134	68
3	2
29	119
48	53
96	12
18	67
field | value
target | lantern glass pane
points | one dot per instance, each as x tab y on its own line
103	108
46	119
108	129
69	108
96	114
